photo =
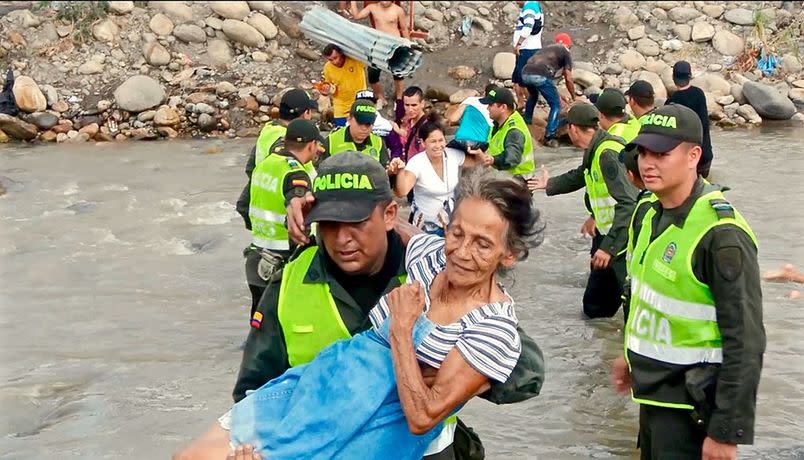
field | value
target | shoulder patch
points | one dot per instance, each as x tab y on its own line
723	208
729	262
511	122
293	163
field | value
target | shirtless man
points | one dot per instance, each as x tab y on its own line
389	18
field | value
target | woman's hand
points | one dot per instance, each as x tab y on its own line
406	304
395	166
244	453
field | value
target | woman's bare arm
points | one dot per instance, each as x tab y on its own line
455	117
405	180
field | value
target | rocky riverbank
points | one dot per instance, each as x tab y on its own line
146	70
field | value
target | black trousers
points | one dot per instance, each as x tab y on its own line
604	288
255	284
668	434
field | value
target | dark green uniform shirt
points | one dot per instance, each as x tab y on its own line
513	149
726	261
245	196
620	188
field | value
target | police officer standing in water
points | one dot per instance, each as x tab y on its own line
694	338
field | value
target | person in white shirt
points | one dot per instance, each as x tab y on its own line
527	40
474	123
432	177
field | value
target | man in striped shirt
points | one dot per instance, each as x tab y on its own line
527	40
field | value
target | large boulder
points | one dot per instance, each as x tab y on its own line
625	19
683	14
240	32
263	25
702	32
219	53
740	16
190	33
791	63
768	102
631	60
659	90
43	120
648	47
28	95
797	96
105	31
120	7
263	7
230	10
587	79
503	65
179	11
156	54
727	43
16	128
139	93
161	24
713	83
288	24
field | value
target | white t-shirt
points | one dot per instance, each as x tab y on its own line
430	192
527	17
482	108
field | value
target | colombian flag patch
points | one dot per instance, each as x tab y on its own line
256	320
300	183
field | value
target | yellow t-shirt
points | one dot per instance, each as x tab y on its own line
348	80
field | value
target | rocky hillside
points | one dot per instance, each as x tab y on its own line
122	69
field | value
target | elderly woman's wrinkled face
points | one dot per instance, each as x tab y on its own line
475	243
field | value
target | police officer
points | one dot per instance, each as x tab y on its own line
694	337
510	145
611	199
294	104
610	106
326	291
357	135
280	176
640	98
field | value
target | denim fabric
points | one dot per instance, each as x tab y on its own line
342	405
538	84
339	122
521	60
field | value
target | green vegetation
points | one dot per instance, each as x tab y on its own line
80	14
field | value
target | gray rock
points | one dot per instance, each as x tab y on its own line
682	14
672	45
648	47
791	64
23	18
121	7
625	19
90	67
230	10
263	7
713	11
161	24
434	14
203	107
214	23
737	93
727	43
683	32
105	31
240	32
16	128
667	5
206	122
702	32
654	80
139	93
176	10
503	65
725	100
750	115
466	10
659	14
103	105
43	120
740	16
484	24
259	56
714	67
156	54
586	78
635	33
190	33
731	109
288	24
219	53
613	69
263	25
631	60
146	116
713	83
768	102
459	96
51	95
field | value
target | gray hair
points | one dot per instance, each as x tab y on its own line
512	199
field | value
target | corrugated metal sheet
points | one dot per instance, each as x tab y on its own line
377	49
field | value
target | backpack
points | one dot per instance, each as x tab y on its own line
8	105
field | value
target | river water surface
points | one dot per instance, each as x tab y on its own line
123	302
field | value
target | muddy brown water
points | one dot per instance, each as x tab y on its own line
123	302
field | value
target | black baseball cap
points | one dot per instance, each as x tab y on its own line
611	102
301	130
348	187
366	94
640	88
682	71
500	96
295	102
666	127
582	115
363	111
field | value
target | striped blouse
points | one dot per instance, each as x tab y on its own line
486	337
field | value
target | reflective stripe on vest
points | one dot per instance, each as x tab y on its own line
267	206
445	438
307	312
269	134
627	130
599	197
497	144
672	318
338	144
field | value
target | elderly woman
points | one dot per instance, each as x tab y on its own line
432	177
367	397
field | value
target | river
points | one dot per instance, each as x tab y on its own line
123	303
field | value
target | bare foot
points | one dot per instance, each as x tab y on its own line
794	295
786	273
